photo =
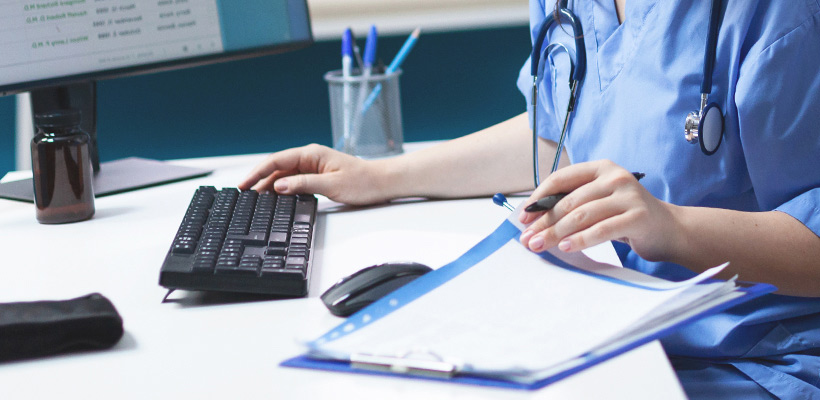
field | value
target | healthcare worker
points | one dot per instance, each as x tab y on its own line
755	202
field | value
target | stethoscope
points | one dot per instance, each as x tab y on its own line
704	126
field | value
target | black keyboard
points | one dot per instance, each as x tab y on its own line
243	241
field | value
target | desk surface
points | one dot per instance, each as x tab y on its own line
218	347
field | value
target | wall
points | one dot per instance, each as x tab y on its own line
453	83
6	134
331	17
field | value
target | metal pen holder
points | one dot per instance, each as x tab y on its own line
365	114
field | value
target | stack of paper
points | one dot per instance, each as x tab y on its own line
514	315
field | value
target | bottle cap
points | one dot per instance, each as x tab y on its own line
58	119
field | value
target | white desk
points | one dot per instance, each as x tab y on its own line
205	348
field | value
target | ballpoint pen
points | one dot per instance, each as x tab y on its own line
367	70
393	67
347	69
357	55
501	200
548	202
370	51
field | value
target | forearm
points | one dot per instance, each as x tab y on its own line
496	159
770	247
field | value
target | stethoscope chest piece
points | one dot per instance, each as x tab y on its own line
705	127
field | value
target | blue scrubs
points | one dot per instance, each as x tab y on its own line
643	77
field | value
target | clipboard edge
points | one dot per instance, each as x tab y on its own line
303	361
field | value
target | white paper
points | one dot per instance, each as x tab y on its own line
513	310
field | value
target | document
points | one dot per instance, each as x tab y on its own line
514	315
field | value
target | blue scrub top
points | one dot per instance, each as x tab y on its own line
643	77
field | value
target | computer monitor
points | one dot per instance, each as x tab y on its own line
58	49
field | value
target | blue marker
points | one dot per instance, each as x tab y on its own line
393	67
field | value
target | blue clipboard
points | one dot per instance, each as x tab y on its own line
417	288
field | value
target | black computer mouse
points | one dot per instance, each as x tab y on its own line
359	290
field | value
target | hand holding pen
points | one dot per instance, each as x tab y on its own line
603	202
548	202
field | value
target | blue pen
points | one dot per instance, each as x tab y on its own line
347	70
370	49
394	66
367	70
369	59
501	200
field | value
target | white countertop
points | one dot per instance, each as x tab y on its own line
216	347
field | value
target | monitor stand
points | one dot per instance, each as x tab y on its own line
109	177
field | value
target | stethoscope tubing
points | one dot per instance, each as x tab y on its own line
711	47
578	72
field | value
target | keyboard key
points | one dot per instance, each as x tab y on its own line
296	261
274	263
278	238
271	271
203	267
250	261
234	270
186	247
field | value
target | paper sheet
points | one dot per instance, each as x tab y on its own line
512	310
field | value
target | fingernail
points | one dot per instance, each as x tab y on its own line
536	243
525	237
281	185
564	245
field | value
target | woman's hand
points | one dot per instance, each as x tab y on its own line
604	202
320	170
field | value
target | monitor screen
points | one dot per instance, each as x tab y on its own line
58	49
51	42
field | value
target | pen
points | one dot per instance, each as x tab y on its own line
370	50
501	200
394	66
367	70
548	202
357	55
347	69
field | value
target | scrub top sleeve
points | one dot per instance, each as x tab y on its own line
778	105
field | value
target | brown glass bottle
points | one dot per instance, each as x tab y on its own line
60	161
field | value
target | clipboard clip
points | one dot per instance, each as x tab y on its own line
431	368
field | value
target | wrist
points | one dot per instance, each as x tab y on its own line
389	178
679	234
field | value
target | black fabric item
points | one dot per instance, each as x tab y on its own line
43	328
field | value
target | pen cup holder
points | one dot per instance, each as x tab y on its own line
365	114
